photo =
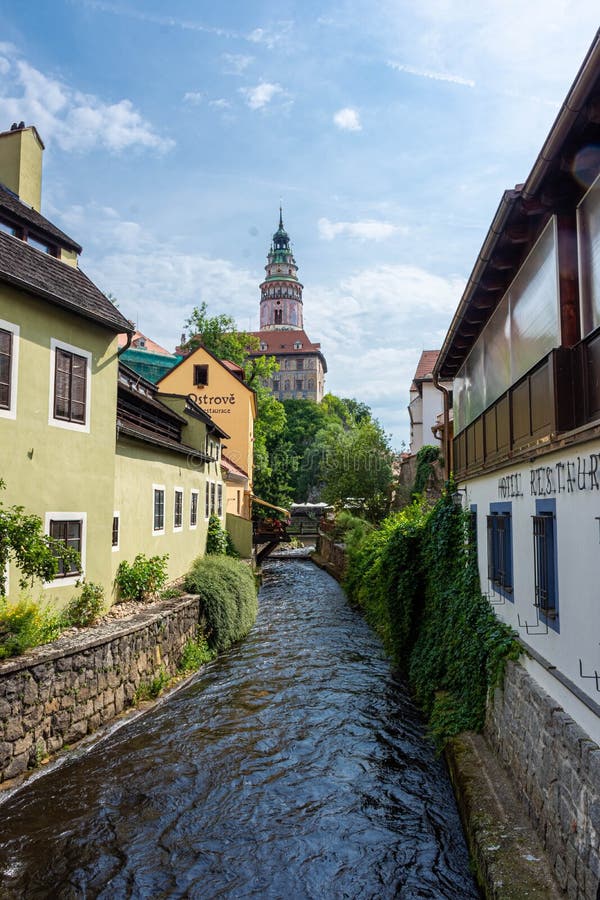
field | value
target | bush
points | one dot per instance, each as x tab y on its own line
228	592
195	654
216	537
24	624
352	529
142	578
87	607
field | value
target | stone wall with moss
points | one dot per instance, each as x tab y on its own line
58	693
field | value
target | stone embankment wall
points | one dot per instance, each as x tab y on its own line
57	694
556	767
331	555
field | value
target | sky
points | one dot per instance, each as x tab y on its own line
387	130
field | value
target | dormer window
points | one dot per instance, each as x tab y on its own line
263	345
298	345
140	343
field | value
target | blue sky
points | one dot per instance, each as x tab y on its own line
388	129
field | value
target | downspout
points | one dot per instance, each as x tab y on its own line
447	446
122	350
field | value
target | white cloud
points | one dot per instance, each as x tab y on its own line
221	103
436	76
347	119
194	98
260	96
76	121
270	37
4	66
368	230
236	63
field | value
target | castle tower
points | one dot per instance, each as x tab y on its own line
302	366
281	292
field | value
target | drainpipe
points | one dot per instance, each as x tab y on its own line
127	345
447	446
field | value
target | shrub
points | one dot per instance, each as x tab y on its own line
352	529
228	592
195	654
427	456
149	690
136	581
87	607
25	624
216	537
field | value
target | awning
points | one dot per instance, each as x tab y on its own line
269	505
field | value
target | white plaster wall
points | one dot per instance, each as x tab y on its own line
578	553
433	405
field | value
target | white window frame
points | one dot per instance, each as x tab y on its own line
207	501
11	412
194	492
219	500
84	427
213	497
117	546
177	490
160	531
70	580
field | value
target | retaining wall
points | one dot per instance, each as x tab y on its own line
57	694
556	767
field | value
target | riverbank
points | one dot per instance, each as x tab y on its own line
508	856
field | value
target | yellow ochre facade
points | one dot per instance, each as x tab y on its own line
226	399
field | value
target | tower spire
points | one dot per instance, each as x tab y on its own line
281	292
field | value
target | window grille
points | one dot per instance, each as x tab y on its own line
544	563
5	367
500	551
70	386
69	532
159	510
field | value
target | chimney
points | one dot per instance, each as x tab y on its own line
21	152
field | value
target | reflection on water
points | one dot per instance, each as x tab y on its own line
292	767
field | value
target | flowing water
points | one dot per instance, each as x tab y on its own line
292	767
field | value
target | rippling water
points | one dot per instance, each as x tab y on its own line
292	767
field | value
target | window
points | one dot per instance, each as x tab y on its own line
178	510
588	224
219	499
299	363
200	376
9	347
278	316
207	501
311	384
115	530
6	342
545	558
239	501
298	346
70	386
70	529
499	531
263	346
158	524
286	384
193	509
276	385
212	498
299	384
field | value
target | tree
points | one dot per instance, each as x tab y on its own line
357	467
23	541
220	335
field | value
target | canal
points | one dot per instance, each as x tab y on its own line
292	767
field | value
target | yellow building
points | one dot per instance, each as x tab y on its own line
216	386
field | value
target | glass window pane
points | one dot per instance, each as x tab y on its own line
533	299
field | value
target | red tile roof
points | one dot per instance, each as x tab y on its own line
283	342
230	466
426	363
151	345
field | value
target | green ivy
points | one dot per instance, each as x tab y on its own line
416	579
427	456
